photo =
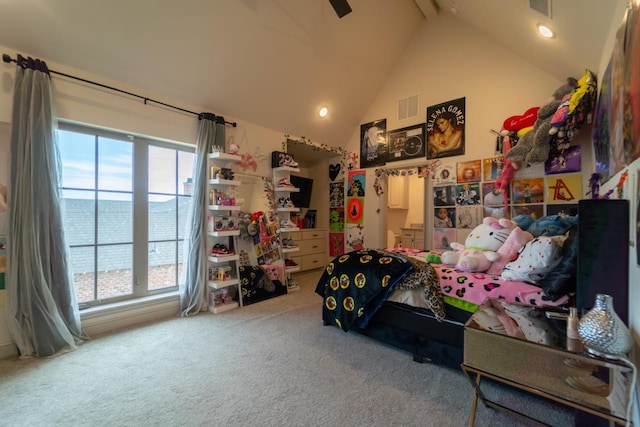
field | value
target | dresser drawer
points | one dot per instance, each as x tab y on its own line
295	235
313	234
314	261
313	246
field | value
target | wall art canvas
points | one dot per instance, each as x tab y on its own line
445	126
567	160
530	190
618	159
492	168
336	194
336	244
563	188
534	211
468	171
444	196
468	194
336	219
354	239
632	83
445	174
407	143
442	238
562	209
373	144
600	132
468	216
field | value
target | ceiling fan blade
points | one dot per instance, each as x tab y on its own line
341	7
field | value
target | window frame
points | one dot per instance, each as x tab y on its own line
140	208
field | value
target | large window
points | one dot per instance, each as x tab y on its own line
125	200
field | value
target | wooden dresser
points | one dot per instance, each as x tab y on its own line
313	248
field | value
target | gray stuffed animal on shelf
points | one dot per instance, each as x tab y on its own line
533	147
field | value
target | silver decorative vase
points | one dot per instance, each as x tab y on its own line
602	331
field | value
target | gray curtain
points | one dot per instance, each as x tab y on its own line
193	293
42	311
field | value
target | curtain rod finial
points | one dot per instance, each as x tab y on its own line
7	58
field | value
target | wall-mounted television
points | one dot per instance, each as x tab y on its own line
301	199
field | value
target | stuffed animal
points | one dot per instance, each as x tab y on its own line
534	146
480	247
516	240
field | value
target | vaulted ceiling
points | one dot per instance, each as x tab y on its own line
275	62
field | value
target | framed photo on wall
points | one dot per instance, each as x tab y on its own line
406	143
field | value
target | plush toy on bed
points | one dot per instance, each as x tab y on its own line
479	250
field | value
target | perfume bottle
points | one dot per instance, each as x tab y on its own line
572	324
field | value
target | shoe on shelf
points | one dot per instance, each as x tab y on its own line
290	263
284	182
219	249
288	243
287	223
288	161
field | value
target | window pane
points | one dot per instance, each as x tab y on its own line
185	171
82	264
162	170
115	218
115	271
162	265
79	217
78	159
181	264
162	218
115	165
183	211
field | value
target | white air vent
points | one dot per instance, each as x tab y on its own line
542	6
408	107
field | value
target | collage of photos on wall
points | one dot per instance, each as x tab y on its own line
466	192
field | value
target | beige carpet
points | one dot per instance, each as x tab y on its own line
269	364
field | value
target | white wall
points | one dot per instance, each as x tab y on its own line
79	102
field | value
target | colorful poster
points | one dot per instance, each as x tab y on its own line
492	168
442	238
468	194
357	183
468	171
336	244
527	190
373	144
445	174
336	219
336	194
600	133
564	188
468	216
567	160
355	210
354	237
632	83
445	127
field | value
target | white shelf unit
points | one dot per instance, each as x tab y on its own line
284	213
218	286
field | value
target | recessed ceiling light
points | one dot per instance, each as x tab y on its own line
323	112
545	31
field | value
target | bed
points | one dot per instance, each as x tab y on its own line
396	297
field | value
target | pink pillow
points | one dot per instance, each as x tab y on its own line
509	249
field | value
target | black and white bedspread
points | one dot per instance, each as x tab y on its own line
355	284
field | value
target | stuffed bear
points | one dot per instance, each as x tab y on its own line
479	250
534	145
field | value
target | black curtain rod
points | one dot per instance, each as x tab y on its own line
209	116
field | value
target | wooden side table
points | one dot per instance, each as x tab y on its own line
530	352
